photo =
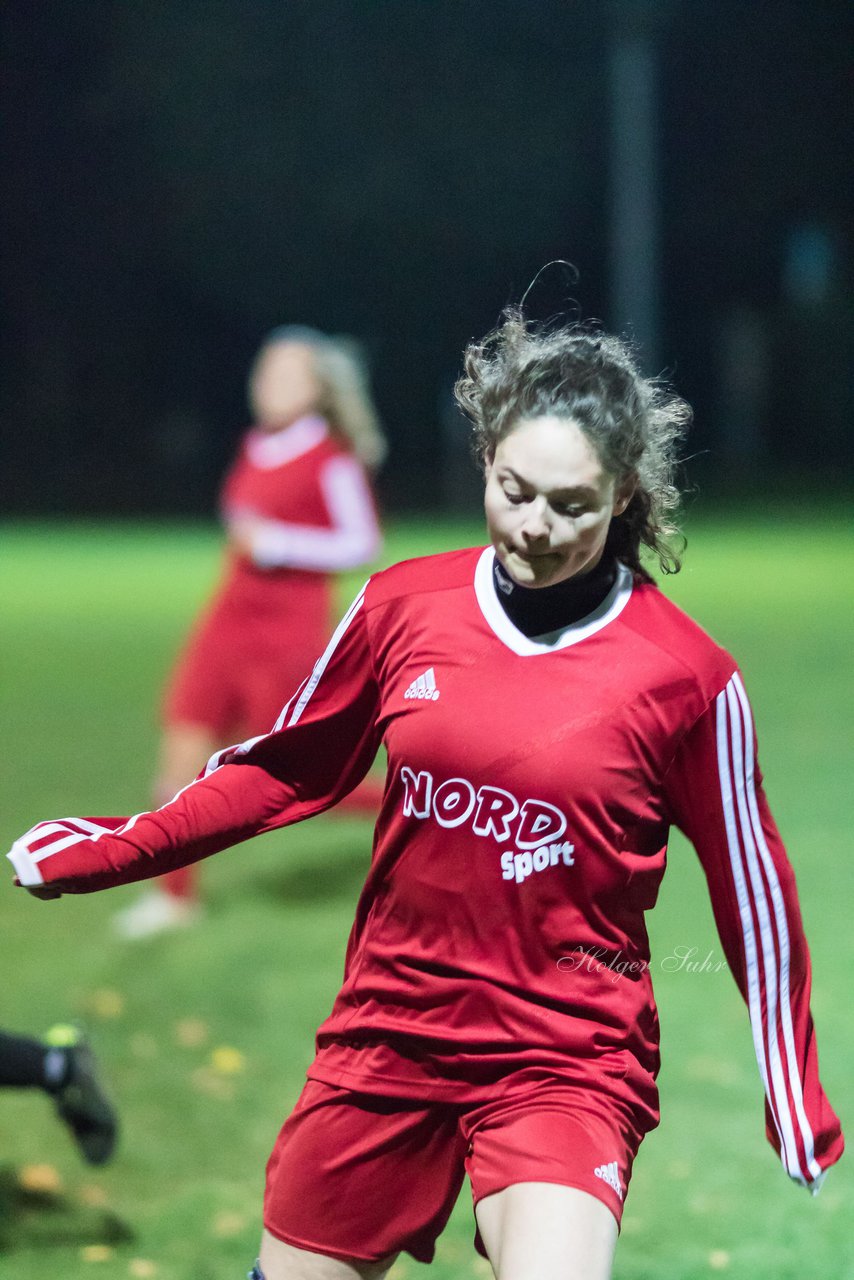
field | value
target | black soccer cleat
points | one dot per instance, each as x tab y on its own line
82	1103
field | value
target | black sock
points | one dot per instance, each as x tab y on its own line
27	1063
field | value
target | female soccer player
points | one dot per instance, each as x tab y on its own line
297	508
548	715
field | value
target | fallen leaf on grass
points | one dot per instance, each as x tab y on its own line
93	1196
228	1224
106	1003
96	1253
227	1061
40	1178
141	1268
191	1033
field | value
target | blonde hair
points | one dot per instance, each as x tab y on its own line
345	396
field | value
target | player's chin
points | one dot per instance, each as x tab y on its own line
536	571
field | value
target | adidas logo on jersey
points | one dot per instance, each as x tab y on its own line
424	687
610	1173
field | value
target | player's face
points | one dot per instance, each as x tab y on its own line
549	502
284	385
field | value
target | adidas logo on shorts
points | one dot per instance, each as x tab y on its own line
610	1173
424	687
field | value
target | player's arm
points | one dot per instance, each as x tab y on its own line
715	794
351	538
321	747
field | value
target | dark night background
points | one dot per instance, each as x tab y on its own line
181	175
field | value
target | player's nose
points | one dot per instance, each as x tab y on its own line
535	526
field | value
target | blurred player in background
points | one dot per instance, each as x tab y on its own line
298	508
63	1066
548	715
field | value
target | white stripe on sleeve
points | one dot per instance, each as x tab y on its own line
747	847
48	838
352	540
779	907
26	869
322	663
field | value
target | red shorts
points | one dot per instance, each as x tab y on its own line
240	667
361	1177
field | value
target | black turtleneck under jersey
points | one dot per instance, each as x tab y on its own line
536	611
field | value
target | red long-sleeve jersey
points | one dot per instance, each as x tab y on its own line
309	500
531	787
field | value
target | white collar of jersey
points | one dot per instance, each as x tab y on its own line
268	449
526	646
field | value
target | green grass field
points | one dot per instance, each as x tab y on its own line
206	1035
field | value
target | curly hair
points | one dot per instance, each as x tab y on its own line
520	371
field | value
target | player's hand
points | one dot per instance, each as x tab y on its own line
242	531
44	891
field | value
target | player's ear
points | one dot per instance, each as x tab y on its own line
624	493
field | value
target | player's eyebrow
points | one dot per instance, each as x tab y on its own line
574	491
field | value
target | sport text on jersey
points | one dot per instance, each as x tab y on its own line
534	827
